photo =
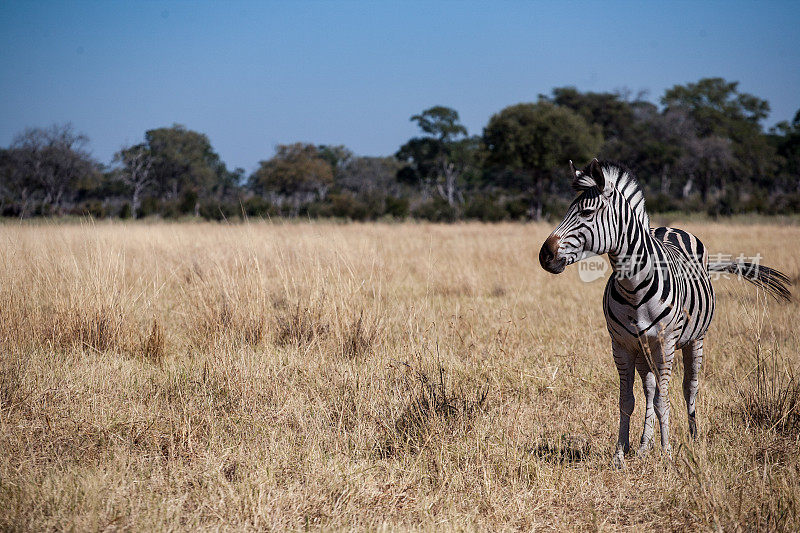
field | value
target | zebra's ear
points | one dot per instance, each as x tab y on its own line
599	178
580	180
597	174
591	177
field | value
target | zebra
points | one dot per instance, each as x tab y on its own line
659	297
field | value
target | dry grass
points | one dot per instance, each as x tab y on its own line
259	376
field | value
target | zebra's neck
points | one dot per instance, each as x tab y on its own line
633	259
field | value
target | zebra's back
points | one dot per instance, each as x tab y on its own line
684	242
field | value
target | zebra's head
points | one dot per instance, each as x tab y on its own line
587	226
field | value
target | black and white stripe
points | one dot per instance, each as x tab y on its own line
658	300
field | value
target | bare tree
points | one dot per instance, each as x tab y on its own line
707	161
136	172
15	190
52	160
447	185
369	175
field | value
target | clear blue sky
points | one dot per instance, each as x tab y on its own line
252	75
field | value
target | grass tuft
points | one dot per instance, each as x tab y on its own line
430	401
300	325
154	345
359	337
13	369
98	330
770	399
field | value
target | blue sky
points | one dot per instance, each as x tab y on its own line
252	75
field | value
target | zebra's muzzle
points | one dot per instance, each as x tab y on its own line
548	256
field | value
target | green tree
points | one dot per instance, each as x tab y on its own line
721	111
785	138
336	155
298	174
439	159
531	141
634	131
184	165
610	111
718	107
441	123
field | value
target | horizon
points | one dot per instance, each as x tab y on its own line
251	75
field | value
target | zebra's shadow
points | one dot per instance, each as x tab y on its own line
564	450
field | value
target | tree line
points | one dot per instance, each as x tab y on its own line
703	148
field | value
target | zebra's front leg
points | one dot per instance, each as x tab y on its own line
626	367
649	388
692	361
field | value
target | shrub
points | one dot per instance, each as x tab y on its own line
396	207
516	208
485	209
258	206
660	203
93	208
345	205
555	207
436	210
215	210
187	202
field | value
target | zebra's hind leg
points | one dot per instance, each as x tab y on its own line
663	368
626	367
649	387
692	361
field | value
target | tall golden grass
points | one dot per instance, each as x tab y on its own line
413	376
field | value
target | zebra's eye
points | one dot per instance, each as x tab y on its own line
586	213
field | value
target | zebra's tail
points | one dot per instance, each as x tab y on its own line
774	282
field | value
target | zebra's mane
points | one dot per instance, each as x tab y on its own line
622	179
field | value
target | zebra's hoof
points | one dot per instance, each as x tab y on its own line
618	461
644	449
667	451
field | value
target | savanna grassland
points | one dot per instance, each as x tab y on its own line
381	376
